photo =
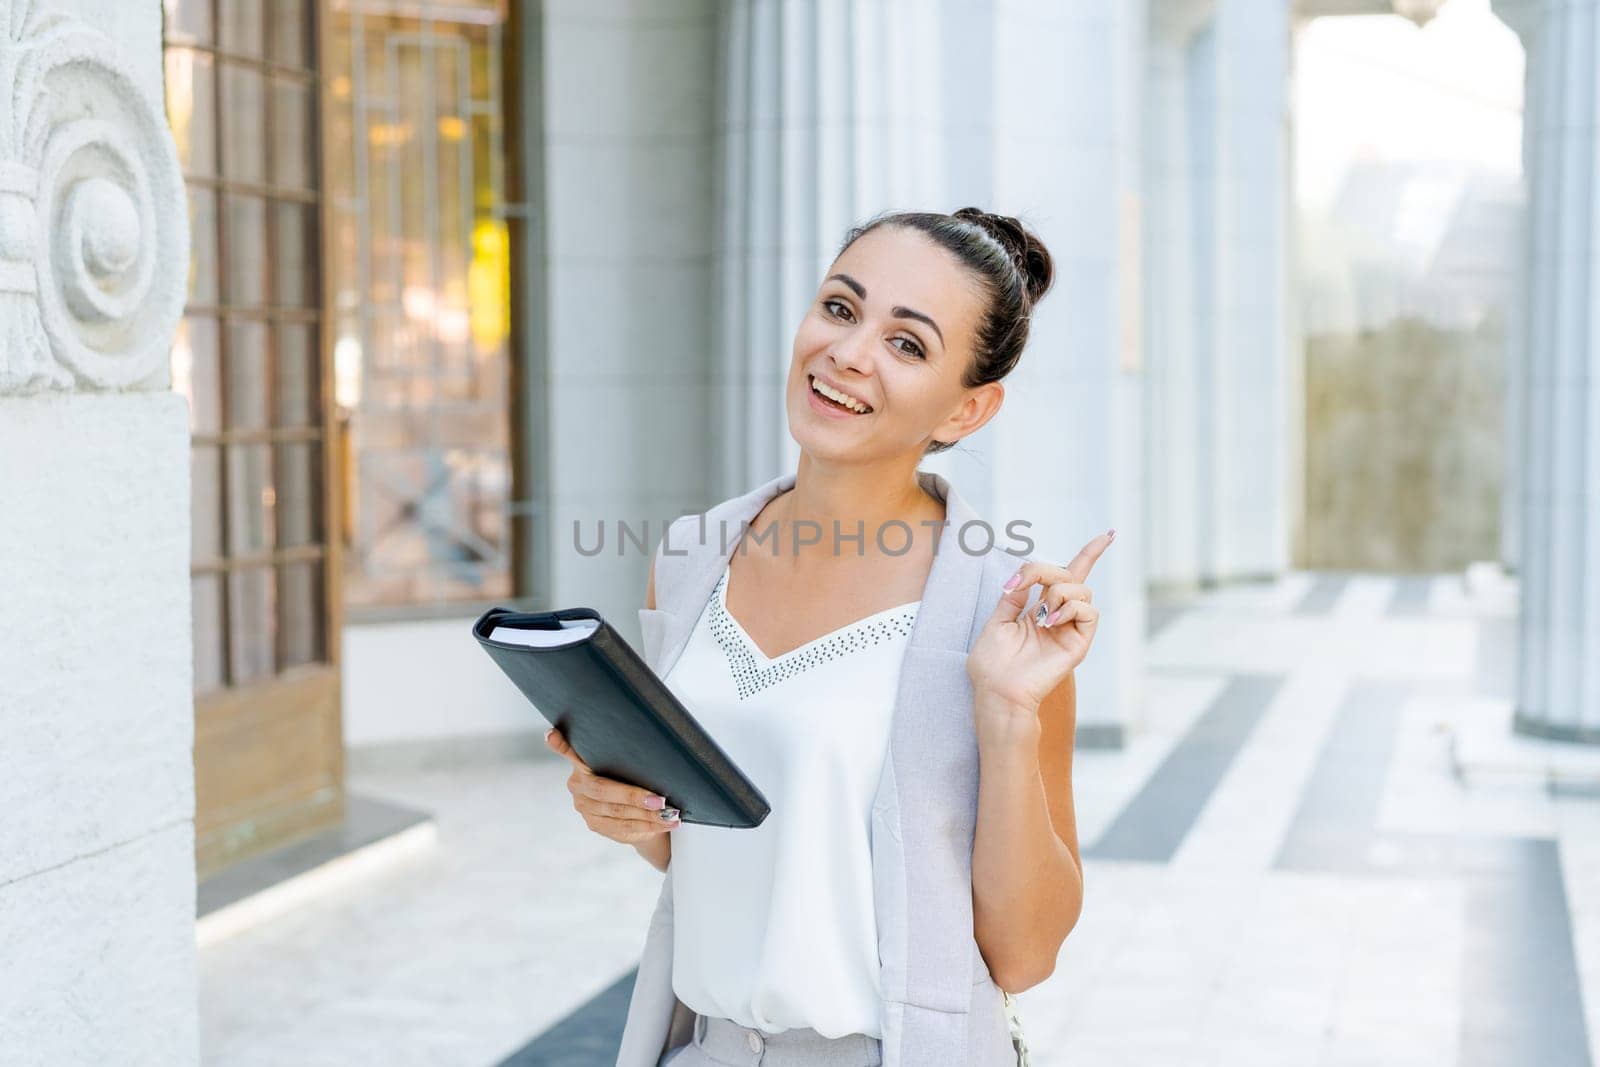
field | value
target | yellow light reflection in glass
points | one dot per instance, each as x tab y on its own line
489	284
180	97
183	370
388	134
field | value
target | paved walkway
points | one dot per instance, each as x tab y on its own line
1281	869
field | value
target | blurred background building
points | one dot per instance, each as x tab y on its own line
466	290
471	282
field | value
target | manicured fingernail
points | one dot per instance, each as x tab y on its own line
1111	536
1011	582
1055	617
655	803
667	814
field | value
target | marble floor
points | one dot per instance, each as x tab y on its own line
1293	862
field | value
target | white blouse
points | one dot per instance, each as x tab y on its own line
774	927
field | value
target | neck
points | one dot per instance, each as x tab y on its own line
857	495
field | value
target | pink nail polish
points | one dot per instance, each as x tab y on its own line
1111	536
1011	583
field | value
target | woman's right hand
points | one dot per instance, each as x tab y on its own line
613	809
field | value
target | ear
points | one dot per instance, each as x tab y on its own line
979	405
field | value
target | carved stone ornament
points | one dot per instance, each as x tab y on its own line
94	229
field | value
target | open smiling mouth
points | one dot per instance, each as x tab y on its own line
834	398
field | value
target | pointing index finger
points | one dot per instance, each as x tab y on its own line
1089	555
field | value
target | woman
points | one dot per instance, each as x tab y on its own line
827	935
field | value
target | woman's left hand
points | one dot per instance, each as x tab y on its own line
1018	661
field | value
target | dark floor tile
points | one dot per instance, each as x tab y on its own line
1521	999
589	1037
1411	593
1162	612
1323	595
1159	817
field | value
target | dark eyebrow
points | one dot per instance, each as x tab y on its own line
899	312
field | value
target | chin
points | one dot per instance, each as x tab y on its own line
818	441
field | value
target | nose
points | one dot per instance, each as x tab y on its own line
853	352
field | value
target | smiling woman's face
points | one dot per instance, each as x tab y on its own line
892	326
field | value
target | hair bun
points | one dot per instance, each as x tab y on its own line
1027	252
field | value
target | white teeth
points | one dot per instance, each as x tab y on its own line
844	398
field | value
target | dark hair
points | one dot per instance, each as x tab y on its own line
1010	261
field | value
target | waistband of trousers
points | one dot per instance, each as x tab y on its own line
743	1046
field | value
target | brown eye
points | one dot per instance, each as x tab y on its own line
914	350
831	304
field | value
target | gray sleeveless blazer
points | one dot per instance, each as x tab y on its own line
940	1005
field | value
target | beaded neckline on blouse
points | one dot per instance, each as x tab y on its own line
753	670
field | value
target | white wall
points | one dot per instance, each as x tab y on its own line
425	681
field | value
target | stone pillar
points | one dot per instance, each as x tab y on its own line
1522	16
1174	322
829	113
1221	443
1066	449
97	884
1558	687
1248	383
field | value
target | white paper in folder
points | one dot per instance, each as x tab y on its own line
572	631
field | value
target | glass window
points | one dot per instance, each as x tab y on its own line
419	262
241	100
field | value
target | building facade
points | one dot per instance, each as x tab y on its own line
332	322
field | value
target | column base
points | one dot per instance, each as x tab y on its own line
1528	726
1100	735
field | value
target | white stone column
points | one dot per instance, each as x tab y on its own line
1174	322
1247	388
1522	16
97	885
1067	447
829	112
1558	690
1222	446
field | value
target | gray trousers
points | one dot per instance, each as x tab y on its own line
724	1043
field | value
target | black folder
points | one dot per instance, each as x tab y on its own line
619	717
